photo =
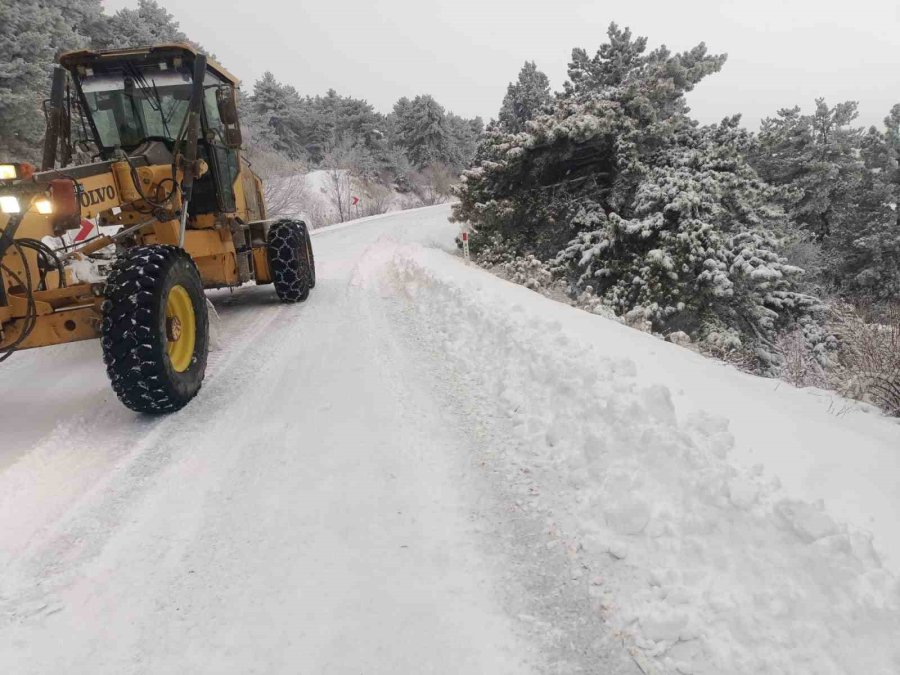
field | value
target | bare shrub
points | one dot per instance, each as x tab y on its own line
338	189
346	162
375	199
737	355
869	355
408	201
799	365
284	188
318	214
433	184
286	196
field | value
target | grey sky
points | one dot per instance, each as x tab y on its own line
464	52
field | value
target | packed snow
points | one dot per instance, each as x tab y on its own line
707	565
425	468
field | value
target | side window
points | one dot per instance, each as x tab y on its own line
227	169
213	121
104	119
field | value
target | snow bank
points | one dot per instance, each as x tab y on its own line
705	566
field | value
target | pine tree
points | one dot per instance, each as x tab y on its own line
700	253
525	98
839	184
422	130
891	162
622	64
613	61
863	253
609	122
271	107
148	24
313	128
84	17
31	36
631	200
814	156
464	135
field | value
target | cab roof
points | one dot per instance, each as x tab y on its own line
89	57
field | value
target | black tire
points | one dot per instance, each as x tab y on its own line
290	262
136	334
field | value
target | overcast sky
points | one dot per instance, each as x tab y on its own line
465	52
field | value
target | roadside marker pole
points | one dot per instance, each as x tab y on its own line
465	241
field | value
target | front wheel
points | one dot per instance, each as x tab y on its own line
155	332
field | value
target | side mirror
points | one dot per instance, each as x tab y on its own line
226	102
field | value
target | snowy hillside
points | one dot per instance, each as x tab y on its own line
327	196
425	468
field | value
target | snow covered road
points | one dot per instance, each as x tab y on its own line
424	469
313	510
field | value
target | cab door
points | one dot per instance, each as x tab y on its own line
223	161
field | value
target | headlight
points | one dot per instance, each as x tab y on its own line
20	171
43	206
9	204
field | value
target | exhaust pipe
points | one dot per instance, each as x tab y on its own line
55	115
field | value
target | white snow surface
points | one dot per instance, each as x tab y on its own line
427	469
318	204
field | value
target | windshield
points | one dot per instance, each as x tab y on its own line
130	104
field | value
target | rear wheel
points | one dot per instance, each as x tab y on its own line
290	260
155	332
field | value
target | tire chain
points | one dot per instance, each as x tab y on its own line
137	376
290	268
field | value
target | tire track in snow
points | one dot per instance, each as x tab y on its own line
299	490
329	546
64	535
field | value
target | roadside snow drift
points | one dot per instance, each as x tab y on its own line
706	567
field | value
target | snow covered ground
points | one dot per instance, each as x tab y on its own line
426	469
317	200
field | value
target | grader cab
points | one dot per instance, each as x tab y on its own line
142	151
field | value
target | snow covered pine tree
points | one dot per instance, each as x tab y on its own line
629	196
525	99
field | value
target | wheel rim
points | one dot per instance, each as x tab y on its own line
181	328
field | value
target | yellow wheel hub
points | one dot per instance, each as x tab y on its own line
181	328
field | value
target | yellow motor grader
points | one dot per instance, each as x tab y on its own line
143	149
